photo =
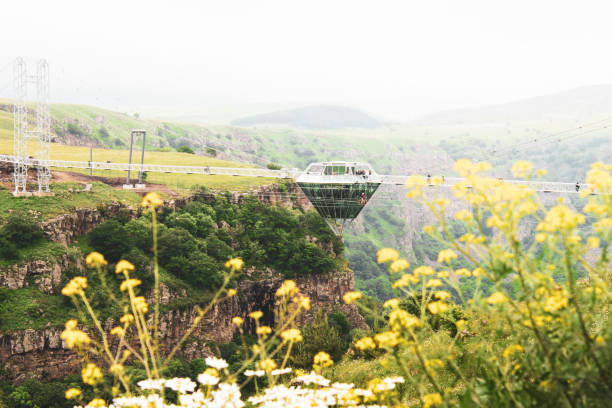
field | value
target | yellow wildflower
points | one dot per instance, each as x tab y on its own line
560	217
593	242
387	254
237	321
386	339
443	274
140	303
117	331
400	318
446	255
392	303
434	363
399	265
350	297
231	292
95	259
521	169
263	330
129	284
463	215
256	315
463	272
365	343
72	393
235	263
415	181
460	324
302	301
512	349
267	365
322	359
436	181
91	374
116	369
288	288
211	371
96	403
599	340
423	271
433	283
75	286
127	318
478	272
465	167
124	266
603	226
497	298
555	302
72	337
405	280
442	295
437	307
292	335
152	200
431	400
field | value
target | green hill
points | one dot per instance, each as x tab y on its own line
316	117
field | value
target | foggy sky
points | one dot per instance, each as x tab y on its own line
396	59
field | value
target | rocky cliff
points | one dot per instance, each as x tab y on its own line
40	353
46	275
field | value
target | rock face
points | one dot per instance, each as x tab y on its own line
45	275
65	227
41	353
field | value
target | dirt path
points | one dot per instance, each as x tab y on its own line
67	176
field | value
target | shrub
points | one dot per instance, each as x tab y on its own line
103	133
185	149
75	129
8	250
211	151
273	166
21	231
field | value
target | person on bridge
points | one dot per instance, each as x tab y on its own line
362	199
578	186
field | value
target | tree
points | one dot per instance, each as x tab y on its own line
109	238
175	242
317	336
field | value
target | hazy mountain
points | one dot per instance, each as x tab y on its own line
580	102
313	117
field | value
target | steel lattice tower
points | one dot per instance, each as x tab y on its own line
24	131
20	125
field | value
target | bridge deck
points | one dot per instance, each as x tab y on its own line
543	186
